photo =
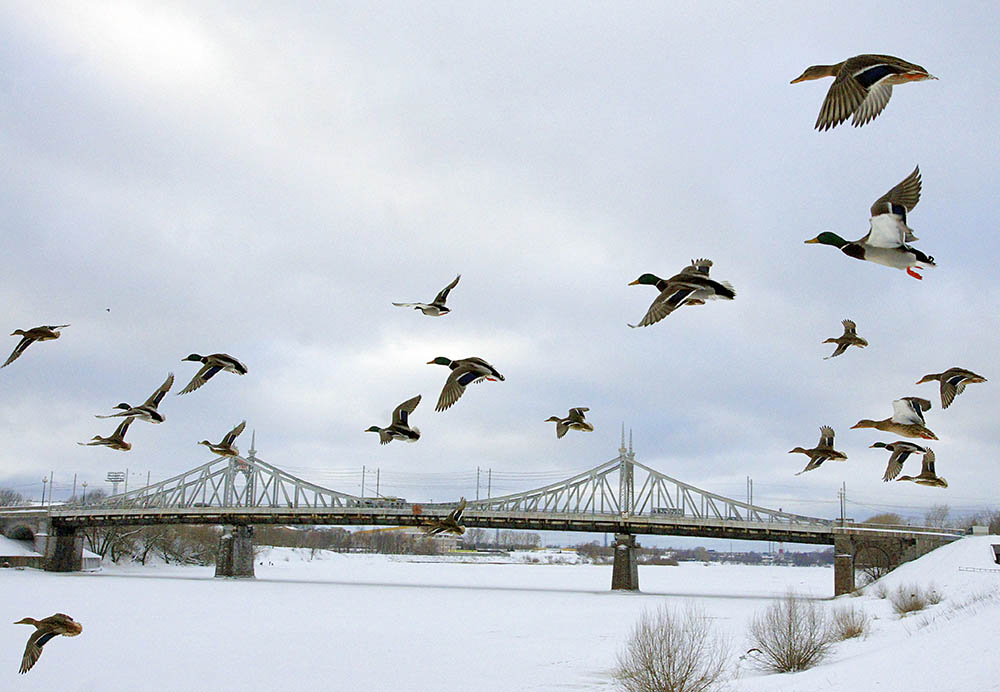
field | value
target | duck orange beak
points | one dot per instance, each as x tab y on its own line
633	283
814	240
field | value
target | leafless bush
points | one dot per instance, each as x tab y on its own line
670	651
911	598
792	634
850	622
881	590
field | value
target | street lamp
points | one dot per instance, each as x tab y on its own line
84	501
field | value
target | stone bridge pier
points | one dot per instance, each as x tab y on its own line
63	549
235	557
625	574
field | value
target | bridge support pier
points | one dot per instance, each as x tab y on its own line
64	550
235	557
625	574
843	565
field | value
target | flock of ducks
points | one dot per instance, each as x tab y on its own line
861	89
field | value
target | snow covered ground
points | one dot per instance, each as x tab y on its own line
366	622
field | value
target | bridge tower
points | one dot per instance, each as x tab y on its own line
625	572
235	558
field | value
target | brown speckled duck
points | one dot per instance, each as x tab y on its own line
46	629
953	381
824	451
861	87
907	419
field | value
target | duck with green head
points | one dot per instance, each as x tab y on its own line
690	286
886	242
464	371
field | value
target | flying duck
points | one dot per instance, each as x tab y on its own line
690	286
848	338
901	451
464	372
210	366
45	629
147	411
115	441
887	240
400	428
226	448
927	475
861	87
574	421
450	524
953	381
436	307
46	333
824	451
907	419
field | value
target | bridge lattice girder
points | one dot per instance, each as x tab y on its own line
602	490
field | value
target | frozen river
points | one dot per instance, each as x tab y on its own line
362	622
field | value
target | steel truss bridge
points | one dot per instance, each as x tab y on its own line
621	496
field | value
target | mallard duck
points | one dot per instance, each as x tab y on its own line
464	371
927	475
848	338
46	629
824	451
211	365
953	381
147	411
901	451
574	421
907	419
861	87
46	333
115	441
690	286
226	448
886	241
450	524
436	307
400	428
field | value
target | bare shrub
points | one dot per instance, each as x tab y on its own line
670	651
881	590
792	634
911	598
850	622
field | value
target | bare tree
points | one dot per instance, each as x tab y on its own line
791	634
670	651
10	498
937	516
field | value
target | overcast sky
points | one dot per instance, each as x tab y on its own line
265	179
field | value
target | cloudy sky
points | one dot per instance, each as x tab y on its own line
264	180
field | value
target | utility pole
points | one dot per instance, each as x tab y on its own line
362	480
51	488
477	482
489	484
147	479
44	481
74	487
126	479
378	473
842	494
